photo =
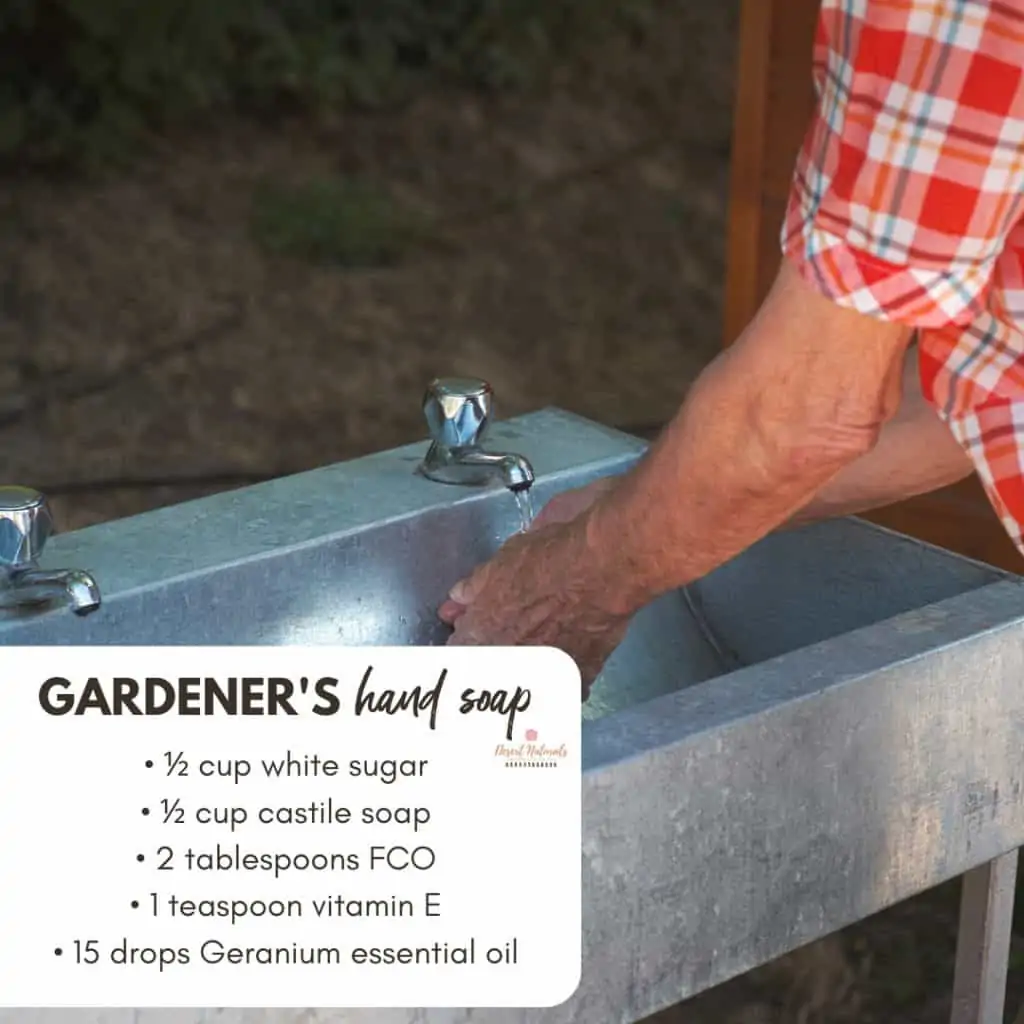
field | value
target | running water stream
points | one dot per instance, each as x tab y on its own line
728	659
524	503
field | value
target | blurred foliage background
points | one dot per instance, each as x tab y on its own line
86	81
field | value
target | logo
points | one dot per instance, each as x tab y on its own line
531	752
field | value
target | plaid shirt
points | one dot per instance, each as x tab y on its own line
907	204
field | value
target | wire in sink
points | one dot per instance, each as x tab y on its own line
726	655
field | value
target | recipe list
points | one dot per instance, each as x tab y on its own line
289	826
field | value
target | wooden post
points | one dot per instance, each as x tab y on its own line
774	99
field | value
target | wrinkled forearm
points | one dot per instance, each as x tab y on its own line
698	499
916	453
804	393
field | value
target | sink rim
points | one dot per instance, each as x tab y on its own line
329	504
303	510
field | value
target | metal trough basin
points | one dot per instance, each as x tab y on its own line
838	729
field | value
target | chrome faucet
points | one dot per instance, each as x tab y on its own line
25	526
458	412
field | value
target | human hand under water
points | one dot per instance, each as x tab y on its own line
565	507
541	589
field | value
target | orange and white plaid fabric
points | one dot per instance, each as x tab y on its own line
907	204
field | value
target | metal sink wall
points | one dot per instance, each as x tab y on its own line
364	552
359	553
744	793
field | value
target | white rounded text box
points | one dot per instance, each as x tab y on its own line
287	826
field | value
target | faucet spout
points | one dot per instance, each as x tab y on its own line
458	412
25	526
515	470
473	467
74	588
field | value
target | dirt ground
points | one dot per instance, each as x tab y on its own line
148	338
597	290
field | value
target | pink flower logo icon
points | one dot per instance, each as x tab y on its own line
531	735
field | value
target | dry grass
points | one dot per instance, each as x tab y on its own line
602	298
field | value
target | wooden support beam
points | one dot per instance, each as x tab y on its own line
774	99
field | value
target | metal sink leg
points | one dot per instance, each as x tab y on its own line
983	942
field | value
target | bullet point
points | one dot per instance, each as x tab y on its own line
140	858
135	904
145	810
149	764
58	951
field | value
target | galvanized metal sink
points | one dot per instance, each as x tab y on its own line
821	728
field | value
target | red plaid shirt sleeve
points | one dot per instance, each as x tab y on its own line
907	204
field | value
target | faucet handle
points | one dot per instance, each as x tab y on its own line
25	525
458	410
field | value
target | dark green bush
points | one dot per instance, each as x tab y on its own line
85	79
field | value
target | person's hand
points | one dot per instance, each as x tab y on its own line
565	507
540	589
562	508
